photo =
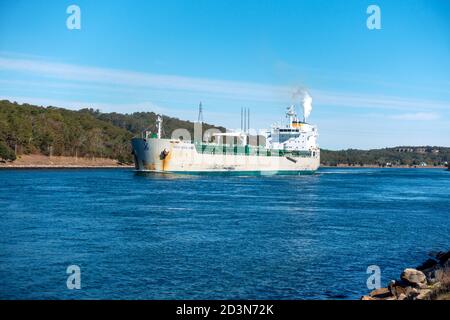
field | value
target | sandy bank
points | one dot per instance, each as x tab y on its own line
40	161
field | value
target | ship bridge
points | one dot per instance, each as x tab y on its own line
295	136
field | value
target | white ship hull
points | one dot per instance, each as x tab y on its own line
165	155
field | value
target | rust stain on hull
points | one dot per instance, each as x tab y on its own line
166	161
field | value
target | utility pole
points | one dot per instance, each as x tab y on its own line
200	113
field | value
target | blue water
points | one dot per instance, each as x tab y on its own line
216	237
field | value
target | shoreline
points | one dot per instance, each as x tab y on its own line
63	167
130	166
34	161
390	167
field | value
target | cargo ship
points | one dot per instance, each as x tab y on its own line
288	149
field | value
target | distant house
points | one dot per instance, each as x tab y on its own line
423	164
421	150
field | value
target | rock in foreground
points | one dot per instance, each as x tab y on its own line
430	281
414	277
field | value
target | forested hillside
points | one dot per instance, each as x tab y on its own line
28	129
138	121
398	156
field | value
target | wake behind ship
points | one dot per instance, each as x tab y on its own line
288	149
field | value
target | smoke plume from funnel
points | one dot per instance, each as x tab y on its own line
306	101
307	104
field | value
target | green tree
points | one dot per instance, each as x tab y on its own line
6	153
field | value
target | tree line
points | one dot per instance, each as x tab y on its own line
30	129
397	156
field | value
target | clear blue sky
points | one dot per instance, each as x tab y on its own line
370	88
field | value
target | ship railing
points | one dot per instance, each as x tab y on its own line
209	148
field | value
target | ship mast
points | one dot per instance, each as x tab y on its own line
291	115
159	121
248	120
